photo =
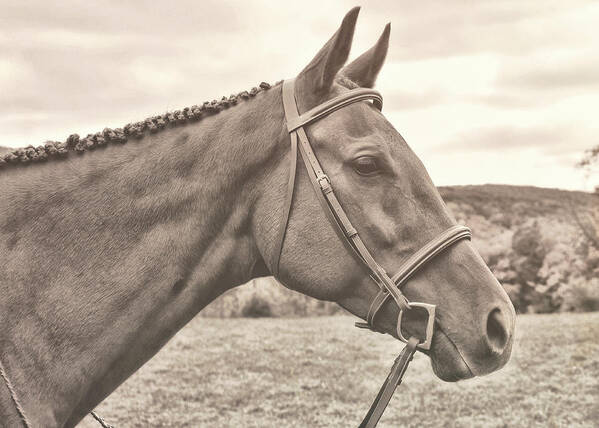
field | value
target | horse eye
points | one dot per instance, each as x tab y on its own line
366	165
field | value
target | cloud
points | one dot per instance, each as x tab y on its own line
505	100
170	19
552	140
523	99
553	75
404	100
535	81
450	28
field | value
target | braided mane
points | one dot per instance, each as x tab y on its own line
58	149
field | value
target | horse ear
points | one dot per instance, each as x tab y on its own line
317	78
364	69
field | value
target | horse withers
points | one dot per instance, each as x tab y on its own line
111	243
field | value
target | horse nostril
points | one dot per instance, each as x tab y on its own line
497	335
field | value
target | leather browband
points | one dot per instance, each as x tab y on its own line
328	107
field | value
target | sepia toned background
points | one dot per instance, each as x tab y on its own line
502	92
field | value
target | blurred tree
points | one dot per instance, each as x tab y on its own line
585	221
588	225
590	160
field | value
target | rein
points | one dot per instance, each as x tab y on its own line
14	398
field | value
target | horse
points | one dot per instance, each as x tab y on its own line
111	243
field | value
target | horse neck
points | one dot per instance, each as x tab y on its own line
108	254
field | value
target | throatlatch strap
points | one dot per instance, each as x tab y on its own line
382	399
286	208
288	102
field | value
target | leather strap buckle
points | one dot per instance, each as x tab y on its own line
324	182
430	325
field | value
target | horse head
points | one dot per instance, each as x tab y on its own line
390	199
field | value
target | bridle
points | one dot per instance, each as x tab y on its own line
388	287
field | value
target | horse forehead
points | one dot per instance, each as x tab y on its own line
356	122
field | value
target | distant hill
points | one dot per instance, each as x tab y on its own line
532	238
525	201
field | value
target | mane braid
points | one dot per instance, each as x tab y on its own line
57	149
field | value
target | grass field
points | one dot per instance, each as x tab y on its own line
317	372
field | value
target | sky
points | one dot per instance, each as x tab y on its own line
503	92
